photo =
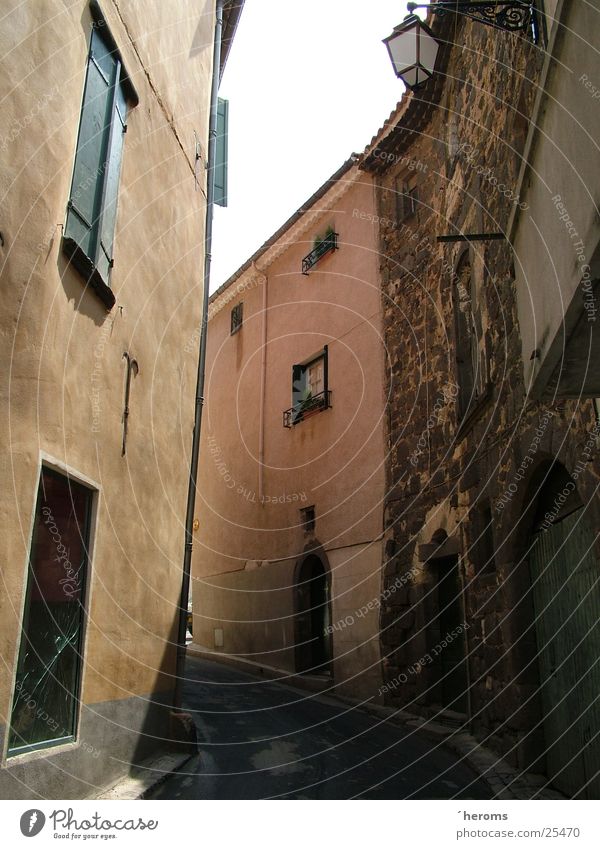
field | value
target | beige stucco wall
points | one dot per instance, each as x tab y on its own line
62	389
254	610
563	162
334	459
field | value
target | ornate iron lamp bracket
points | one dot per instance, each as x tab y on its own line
510	15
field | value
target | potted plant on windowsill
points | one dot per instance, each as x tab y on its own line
326	243
311	404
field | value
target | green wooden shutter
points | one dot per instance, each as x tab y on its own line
111	186
220	167
92	145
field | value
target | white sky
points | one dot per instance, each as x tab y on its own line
308	83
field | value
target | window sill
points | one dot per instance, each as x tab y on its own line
83	264
45	749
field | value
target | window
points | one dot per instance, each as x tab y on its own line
237	317
44	708
453	145
315	377
468	355
321	247
407	198
310	391
308	519
92	207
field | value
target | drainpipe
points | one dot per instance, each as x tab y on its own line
263	371
191	498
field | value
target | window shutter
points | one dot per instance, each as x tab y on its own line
92	145
326	372
220	166
111	187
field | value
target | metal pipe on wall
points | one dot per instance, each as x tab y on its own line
263	373
191	498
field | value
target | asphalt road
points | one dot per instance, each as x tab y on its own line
259	739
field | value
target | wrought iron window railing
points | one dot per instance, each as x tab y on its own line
321	401
324	246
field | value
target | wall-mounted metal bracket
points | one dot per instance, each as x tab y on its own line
197	158
472	237
510	15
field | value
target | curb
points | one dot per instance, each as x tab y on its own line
504	781
144	780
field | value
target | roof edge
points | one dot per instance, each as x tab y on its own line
232	13
353	160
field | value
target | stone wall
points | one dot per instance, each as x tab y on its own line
464	483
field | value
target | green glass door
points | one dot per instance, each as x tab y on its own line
46	696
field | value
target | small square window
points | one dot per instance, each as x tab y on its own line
308	518
237	317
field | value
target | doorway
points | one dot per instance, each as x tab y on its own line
566	600
313	640
446	636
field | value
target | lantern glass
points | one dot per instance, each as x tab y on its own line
413	51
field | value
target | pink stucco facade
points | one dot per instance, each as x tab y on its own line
256	476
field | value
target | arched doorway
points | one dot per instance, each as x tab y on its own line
313	640
566	601
448	678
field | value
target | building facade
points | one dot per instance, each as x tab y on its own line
559	242
103	216
491	509
287	557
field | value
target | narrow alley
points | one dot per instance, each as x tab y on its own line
263	740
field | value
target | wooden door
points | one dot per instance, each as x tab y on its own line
564	573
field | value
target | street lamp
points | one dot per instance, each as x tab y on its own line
413	47
413	50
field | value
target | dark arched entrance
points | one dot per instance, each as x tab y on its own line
566	601
313	640
447	679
